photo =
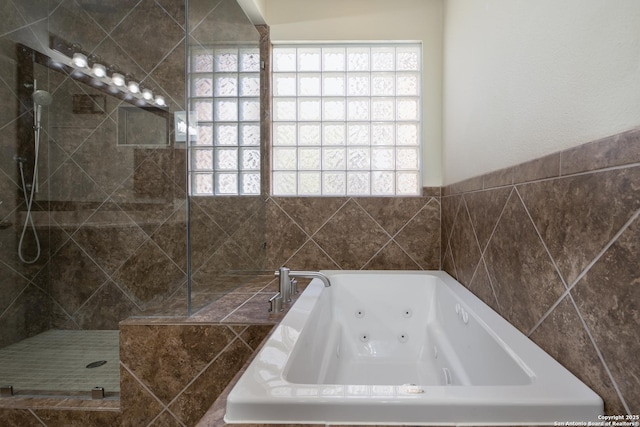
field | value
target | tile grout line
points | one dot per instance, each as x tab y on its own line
493	290
453	223
199	374
483	252
600	355
455	269
568	294
310	236
36	416
255	294
548	312
165	410
391	237
143	385
495	227
379	226
606	247
410	219
544	244
13	301
538	180
473	229
182	25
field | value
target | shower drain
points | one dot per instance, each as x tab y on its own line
96	364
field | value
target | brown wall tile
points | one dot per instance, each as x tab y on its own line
194	402
608	297
578	215
464	246
167	357
562	230
138	405
616	150
351	237
574	349
544	167
19	418
498	178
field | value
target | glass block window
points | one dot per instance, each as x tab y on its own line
346	120
224	156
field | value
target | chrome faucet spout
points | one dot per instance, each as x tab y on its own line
287	285
284	283
311	275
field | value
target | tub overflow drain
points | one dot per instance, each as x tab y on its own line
96	364
411	388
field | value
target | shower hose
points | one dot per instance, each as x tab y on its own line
29	200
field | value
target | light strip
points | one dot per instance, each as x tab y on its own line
93	67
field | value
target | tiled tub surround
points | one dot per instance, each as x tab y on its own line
493	245
575	326
387	233
553	246
173	370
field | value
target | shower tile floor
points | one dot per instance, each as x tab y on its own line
56	360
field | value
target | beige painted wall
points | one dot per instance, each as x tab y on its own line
527	78
504	81
365	20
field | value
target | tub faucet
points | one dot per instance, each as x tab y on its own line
288	285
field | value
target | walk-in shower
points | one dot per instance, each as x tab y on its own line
41	98
95	204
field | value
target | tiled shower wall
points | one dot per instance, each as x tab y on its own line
553	245
112	218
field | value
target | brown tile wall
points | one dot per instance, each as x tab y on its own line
553	246
18	292
386	233
550	244
110	217
172	373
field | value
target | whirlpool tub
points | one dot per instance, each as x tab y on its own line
403	347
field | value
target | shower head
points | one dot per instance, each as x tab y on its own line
42	98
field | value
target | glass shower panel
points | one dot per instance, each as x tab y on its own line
87	123
226	202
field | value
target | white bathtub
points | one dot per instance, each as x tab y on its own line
403	347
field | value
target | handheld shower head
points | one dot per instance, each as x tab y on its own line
42	98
